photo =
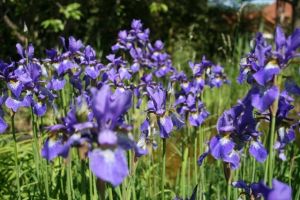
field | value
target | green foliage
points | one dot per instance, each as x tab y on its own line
55	24
71	11
97	22
156	8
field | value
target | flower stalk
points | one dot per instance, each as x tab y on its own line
163	168
16	154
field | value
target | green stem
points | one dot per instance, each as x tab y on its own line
228	176
253	170
69	177
91	184
195	161
184	165
201	180
228	191
271	151
35	147
272	135
44	164
163	169
83	180
16	154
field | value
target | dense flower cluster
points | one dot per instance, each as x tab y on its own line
238	127
139	74
102	94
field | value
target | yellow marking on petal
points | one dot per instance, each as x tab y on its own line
185	84
14	84
272	64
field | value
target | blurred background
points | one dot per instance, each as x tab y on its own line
210	27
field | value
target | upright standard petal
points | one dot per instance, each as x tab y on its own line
158	95
74	45
294	41
280	39
108	107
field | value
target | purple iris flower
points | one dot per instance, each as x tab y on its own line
146	138
3	124
157	102
6	71
16	87
56	84
258	151
262	98
109	107
188	101
279	190
89	54
207	73
165	125
197	118
284	106
265	74
157	105
286	46
93	71
15	104
73	130
108	162
262	64
25	53
161	62
39	108
74	46
285	136
53	148
236	127
29	75
221	147
291	87
65	66
136	24
51	55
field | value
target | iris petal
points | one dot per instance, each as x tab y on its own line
109	165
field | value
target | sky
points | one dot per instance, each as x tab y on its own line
236	3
